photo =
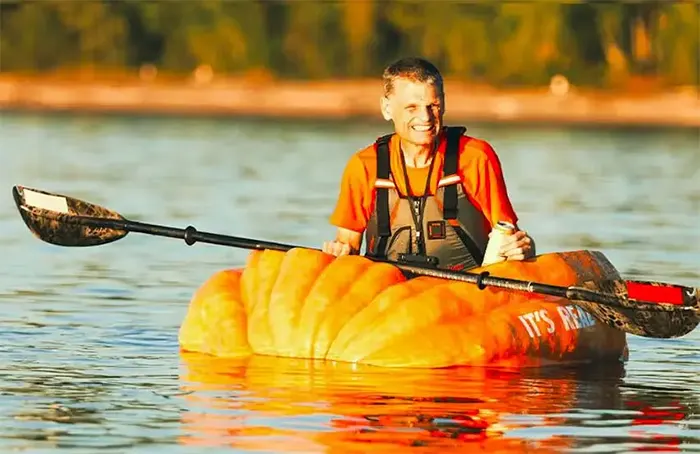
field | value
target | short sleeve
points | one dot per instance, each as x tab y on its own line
488	185
351	208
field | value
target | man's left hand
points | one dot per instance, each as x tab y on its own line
518	246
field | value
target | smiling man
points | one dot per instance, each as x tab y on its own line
426	194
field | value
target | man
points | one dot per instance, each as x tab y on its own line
427	194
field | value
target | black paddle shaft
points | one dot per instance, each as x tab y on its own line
66	221
483	280
191	236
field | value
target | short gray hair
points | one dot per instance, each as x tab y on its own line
412	68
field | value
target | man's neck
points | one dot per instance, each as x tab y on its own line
417	155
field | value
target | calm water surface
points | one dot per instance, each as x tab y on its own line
88	336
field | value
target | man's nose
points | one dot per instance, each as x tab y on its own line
425	114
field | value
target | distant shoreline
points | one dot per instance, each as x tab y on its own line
341	99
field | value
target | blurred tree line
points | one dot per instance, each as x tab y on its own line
499	43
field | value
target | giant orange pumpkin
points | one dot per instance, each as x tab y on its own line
307	304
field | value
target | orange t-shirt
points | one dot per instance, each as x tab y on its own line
478	165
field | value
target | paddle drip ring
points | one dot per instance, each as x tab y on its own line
189	235
480	280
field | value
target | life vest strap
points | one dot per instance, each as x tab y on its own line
382	201
454	135
450	202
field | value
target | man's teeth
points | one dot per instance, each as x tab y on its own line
422	128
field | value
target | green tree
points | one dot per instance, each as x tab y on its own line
528	42
592	43
229	36
46	35
360	21
676	42
313	48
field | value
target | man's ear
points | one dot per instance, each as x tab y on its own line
385	107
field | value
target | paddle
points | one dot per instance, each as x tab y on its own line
649	309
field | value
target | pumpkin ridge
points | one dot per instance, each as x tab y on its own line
470	308
447	345
248	280
376	279
381	305
320	318
266	274
390	323
289	293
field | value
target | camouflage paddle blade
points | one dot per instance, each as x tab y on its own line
65	221
677	317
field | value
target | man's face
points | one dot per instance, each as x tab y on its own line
416	109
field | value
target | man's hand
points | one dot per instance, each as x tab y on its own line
336	248
518	246
346	242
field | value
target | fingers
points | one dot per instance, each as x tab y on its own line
517	246
517	236
326	248
336	248
516	240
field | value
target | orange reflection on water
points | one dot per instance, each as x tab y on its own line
287	405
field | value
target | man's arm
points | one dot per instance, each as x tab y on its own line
519	245
494	198
350	213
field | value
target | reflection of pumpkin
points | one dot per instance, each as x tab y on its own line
307	304
293	405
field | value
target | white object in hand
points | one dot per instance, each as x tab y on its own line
501	230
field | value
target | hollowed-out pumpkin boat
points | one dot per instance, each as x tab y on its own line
307	304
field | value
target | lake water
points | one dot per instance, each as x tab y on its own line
88	336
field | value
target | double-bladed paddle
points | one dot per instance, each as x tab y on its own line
650	309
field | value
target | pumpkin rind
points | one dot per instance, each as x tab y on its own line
306	304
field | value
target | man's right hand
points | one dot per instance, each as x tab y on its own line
336	248
347	242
